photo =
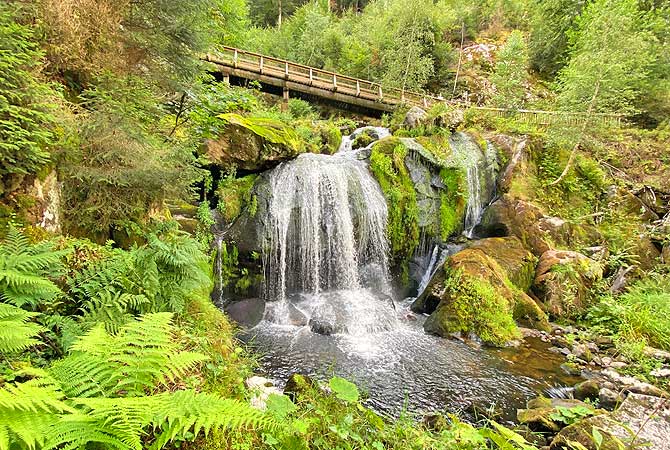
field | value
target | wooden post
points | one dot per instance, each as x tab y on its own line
226	78
261	65
425	102
334	82
235	59
311	76
358	88
285	97
381	94
286	70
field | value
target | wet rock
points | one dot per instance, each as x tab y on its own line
517	262
321	327
660	373
582	351
538	413
588	389
631	384
435	422
248	312
414	117
571	369
563	281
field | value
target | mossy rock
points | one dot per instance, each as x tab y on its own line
363	139
582	433
517	262
476	295
543	414
563	282
234	195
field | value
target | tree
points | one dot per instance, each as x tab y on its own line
510	73
611	55
26	104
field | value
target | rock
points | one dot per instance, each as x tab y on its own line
297	384
640	422
604	342
660	373
517	262
321	327
482	300
582	351
571	369
248	312
538	412
608	398
563	280
414	117
665	254
588	389
618	365
536	231
261	388
661	355
631	384
648	256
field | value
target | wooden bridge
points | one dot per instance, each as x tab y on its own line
290	76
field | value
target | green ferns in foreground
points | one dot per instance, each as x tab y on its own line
112	390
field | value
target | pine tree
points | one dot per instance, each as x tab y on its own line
510	73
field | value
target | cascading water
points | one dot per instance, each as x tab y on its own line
329	307
326	233
475	208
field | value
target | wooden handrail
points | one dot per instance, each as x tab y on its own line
370	90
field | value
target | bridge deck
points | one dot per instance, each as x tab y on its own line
334	86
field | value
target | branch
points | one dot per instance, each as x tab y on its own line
586	123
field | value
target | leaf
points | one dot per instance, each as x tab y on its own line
597	437
344	390
280	405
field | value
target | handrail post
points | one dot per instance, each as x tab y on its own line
311	76
286	70
261	65
358	88
334	82
425	102
235	59
381	94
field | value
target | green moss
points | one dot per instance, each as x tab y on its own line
363	139
452	201
388	166
333	138
473	305
437	145
234	195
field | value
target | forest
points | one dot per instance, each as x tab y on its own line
188	260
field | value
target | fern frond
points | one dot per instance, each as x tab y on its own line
17	333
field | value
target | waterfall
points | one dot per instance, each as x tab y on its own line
475	208
326	227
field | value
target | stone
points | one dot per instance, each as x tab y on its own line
297	384
261	388
538	412
640	422
582	351
608	398
660	373
414	117
588	389
563	281
517	262
571	369
321	327
655	353
248	312
631	384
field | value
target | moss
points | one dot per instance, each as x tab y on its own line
388	166
472	304
437	145
234	195
333	138
363	139
452	201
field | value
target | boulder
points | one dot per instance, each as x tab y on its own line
414	117
640	422
514	217
321	327
563	280
474	294
248	312
607	398
297	385
588	389
540	413
517	262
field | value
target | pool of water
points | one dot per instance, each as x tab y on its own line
403	368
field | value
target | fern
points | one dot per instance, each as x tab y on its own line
25	268
17	333
140	356
28	410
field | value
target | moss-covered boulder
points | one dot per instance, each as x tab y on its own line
474	293
563	281
253	143
537	231
545	414
234	195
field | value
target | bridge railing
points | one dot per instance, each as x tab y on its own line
299	73
332	81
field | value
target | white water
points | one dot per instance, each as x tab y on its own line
219	269
326	233
437	259
475	208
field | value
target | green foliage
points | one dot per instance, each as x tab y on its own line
510	75
387	163
17	332
571	415
25	270
270	129
452	202
26	101
205	222
343	389
234	195
610	59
